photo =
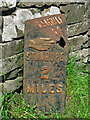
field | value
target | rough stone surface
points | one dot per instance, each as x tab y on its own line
82	54
12	48
77	42
8	4
12	63
13	26
78	28
13	74
0	50
86	60
37	4
37	15
51	11
9	30
21	16
74	12
12	85
0	67
85	52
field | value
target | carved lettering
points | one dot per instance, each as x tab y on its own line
27	56
55	31
42	22
47	56
51	87
37	88
36	57
49	22
40	25
43	91
41	57
32	55
31	90
44	72
44	88
59	88
57	56
61	59
59	30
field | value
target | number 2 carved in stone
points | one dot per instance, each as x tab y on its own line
44	74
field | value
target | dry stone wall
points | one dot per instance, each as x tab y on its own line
14	14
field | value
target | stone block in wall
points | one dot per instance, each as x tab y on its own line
21	15
76	29
0	70
9	30
7	4
13	26
0	50
77	42
51	11
12	48
74	12
81	54
12	63
12	85
37	4
14	73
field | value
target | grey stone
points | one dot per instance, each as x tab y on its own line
14	73
51	11
78	28
12	48
77	42
0	67
21	16
29	4
8	4
85	52
9	30
81	54
0	50
37	15
37	4
12	63
74	12
12	85
86	60
13	26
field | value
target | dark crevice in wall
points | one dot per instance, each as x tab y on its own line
62	12
0	38
8	74
41	8
64	4
84	33
19	89
15	54
8	12
78	3
14	39
75	22
18	38
47	6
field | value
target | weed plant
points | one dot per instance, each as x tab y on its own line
14	105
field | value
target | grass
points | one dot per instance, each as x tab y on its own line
76	99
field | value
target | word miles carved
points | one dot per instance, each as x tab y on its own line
45	62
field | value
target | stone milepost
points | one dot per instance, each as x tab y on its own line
45	62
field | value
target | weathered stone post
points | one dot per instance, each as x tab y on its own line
45	62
